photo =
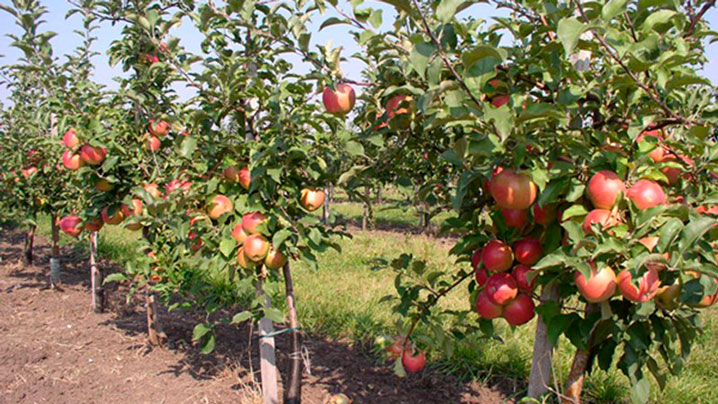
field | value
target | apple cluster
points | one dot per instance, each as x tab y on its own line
503	272
605	190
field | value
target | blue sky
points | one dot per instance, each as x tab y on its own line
66	40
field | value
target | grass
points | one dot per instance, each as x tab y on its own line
341	301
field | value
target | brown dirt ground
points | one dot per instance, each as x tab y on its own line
55	349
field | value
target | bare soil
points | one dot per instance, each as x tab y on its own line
55	349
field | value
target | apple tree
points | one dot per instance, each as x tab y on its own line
584	133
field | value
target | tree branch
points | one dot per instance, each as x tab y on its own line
444	58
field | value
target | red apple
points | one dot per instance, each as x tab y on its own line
72	161
513	190
197	244
311	200
340	398
647	285
598	216
245	177
604	188
115	218
92	155
251	222
218	206
239	234
341	101
476	258
231	174
501	288
515	218
486	308
71	225
519	311
29	172
667	296
94	224
242	259
104	186
659	153
256	247
544	215
136	208
177	184
159	128
497	256
70	139
646	194
395	350
500	100
274	259
153	189
392	107
528	250
599	287
520	273
481	275
153	143
413	362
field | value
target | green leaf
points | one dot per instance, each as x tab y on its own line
569	31
613	8
480	52
109	163
199	331
332	21
446	10
659	18
640	391
241	317
354	148
274	314
208	344
401	5
574	210
420	56
503	119
695	230
279	237
116	277
226	247
669	231
189	144
375	18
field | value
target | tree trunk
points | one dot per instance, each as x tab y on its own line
267	355
293	392
574	383
98	296
29	242
55	267
541	366
155	335
365	214
378	195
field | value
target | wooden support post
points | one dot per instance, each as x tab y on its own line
327	201
541	366
293	392
267	354
98	296
55	267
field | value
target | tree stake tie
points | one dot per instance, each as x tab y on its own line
279	332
